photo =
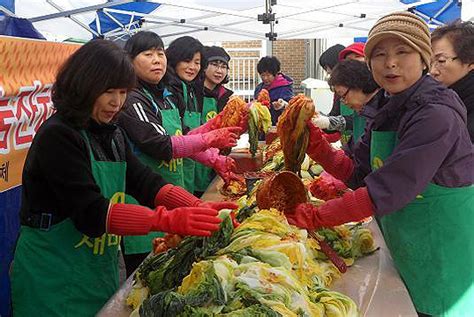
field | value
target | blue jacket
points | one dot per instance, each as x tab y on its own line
280	87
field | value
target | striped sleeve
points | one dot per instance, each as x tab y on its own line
144	128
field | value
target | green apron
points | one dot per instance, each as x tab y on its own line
191	119
59	271
431	241
345	111
358	124
171	171
202	173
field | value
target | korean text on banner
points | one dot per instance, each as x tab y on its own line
27	72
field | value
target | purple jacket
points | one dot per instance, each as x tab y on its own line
433	145
280	87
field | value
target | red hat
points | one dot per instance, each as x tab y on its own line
356	47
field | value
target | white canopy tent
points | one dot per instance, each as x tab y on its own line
211	20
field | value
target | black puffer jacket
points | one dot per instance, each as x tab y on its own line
465	89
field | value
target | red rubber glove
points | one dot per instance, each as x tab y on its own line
235	222
352	206
222	138
172	196
127	219
335	162
225	167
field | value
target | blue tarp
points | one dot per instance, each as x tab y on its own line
438	12
8	4
107	24
18	27
9	226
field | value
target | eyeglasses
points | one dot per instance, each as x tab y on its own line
343	97
441	61
219	66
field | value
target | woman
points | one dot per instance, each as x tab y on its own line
279	85
330	57
153	124
453	63
412	169
213	97
185	55
342	118
76	174
353	82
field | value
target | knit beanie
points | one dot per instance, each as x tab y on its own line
216	53
356	47
407	27
330	56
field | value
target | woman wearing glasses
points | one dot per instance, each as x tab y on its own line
353	82
213	97
342	118
453	63
412	170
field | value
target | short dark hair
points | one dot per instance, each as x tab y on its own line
143	41
94	68
330	57
269	64
183	49
461	36
353	74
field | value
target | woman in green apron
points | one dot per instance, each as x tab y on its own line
213	97
153	124
353	82
78	170
185	56
342	118
412	170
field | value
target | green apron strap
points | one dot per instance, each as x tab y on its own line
202	173
347	112
171	171
358	126
431	241
193	107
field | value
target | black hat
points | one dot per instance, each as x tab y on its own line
216	53
330	57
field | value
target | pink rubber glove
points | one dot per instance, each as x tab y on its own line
127	219
172	196
223	165
335	162
187	145
352	206
222	138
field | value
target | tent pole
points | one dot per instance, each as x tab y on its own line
67	13
57	7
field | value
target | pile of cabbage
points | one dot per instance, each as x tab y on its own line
265	267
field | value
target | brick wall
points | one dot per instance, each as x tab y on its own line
292	56
291	53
